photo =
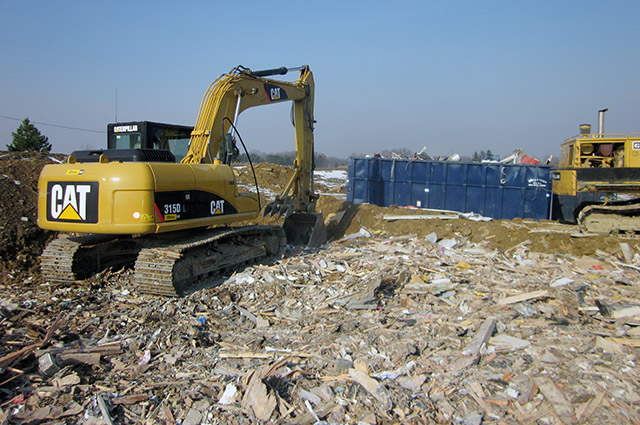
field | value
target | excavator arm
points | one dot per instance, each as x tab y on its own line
242	89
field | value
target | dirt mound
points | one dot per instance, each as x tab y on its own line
21	240
273	178
537	236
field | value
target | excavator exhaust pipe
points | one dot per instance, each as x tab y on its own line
305	229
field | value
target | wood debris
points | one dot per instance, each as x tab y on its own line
369	329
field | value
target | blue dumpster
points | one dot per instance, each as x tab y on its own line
501	191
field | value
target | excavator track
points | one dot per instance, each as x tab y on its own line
621	218
167	268
71	258
162	266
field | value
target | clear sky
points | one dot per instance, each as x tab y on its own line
455	76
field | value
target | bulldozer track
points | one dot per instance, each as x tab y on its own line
623	219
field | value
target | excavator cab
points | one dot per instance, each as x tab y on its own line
150	135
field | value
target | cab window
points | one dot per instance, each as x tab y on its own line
128	141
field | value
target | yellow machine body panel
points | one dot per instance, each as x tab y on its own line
598	163
601	151
564	182
139	197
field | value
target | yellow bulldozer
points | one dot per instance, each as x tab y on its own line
597	183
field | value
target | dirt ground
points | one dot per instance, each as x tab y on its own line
380	326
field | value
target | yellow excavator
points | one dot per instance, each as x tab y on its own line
597	183
138	205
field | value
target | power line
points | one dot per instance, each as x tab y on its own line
54	125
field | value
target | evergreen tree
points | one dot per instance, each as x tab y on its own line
28	138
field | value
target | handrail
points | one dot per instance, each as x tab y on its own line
601	137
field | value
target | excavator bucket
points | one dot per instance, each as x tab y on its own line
305	229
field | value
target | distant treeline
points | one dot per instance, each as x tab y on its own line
324	161
286	158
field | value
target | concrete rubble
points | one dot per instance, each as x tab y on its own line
369	329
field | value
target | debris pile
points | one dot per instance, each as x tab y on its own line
368	330
393	321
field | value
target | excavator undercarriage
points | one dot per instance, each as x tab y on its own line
163	266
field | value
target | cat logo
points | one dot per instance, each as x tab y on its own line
125	128
217	207
274	92
72	201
